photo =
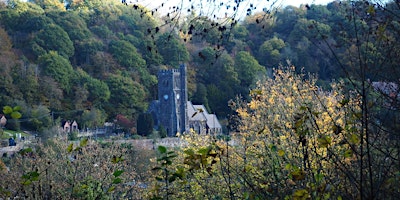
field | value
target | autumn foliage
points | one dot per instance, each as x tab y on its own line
295	141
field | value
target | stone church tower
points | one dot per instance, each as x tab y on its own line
173	97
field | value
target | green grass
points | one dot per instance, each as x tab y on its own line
5	134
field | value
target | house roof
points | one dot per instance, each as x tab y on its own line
199	113
388	88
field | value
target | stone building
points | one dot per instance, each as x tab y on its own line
174	112
68	126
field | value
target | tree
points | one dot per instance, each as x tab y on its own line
126	54
14	114
127	97
200	96
52	38
294	141
215	70
270	52
363	37
98	91
145	124
5	42
50	4
39	118
287	19
54	65
84	169
172	50
52	93
249	70
93	118
103	63
9	65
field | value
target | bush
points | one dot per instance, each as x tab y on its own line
73	135
13	124
83	170
145	124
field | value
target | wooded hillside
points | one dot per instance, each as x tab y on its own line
93	60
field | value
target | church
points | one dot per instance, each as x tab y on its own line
174	112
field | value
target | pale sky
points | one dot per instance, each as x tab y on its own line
210	7
256	3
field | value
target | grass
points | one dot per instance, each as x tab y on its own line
5	134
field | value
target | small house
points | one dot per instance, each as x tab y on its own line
69	126
3	120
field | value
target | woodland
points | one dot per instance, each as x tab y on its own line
309	96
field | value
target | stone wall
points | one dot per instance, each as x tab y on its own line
153	143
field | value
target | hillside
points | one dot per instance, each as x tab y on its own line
94	61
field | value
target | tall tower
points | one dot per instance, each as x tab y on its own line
172	95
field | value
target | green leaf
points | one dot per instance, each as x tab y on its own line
288	166
180	172
25	151
70	148
117	180
273	147
84	186
34	175
112	188
162	149
31	176
204	150
246	195
281	152
17	108
16	115
83	142
324	141
116	159
189	152
7	110
27	182
319	177
354	139
118	173
348	153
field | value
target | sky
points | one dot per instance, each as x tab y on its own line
210	7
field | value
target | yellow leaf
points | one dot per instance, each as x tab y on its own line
83	142
300	194
298	175
371	10
70	147
281	152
